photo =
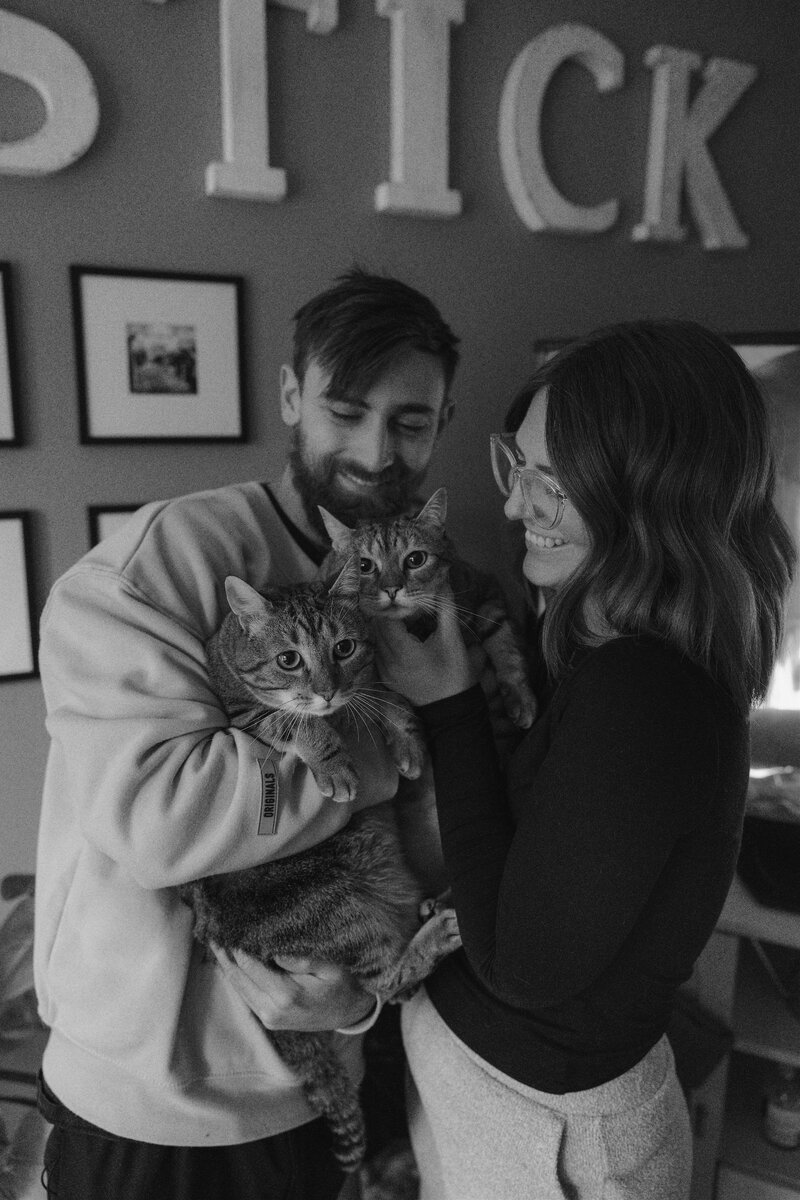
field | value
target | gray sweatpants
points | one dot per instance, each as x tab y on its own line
480	1135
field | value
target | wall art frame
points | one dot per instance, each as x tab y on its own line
18	650
758	349
105	519
159	355
10	428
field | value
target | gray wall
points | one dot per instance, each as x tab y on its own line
137	200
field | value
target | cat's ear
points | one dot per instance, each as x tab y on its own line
435	511
338	532
248	605
347	583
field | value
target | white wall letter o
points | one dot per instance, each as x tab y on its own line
537	202
35	54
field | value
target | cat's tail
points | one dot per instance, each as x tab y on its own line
328	1089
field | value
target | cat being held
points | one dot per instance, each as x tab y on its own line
410	569
289	664
285	664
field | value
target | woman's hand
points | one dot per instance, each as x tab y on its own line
297	993
424	671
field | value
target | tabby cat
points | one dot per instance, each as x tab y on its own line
406	566
287	665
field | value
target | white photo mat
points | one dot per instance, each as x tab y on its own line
17	656
112	308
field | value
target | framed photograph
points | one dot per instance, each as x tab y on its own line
158	356
105	519
10	434
774	359
17	648
759	350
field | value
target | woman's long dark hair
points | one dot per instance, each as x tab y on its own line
660	437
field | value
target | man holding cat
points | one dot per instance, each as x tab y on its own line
157	1078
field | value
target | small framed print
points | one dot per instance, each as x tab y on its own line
774	359
158	356
105	519
759	351
9	414
17	647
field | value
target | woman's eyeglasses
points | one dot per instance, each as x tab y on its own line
543	499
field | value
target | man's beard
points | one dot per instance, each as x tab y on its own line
316	483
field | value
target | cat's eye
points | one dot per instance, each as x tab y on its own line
346	648
289	660
366	566
415	560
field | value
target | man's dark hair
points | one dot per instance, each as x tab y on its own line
358	326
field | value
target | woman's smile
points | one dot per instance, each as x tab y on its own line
541	541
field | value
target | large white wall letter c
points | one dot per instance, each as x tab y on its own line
536	201
33	53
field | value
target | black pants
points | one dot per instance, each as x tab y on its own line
83	1162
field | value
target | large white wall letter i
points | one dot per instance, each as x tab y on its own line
420	87
245	172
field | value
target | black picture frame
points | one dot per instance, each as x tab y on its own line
767	355
10	421
18	648
104	519
159	355
760	343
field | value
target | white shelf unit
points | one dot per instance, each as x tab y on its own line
732	1159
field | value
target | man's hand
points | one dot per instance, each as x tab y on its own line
297	993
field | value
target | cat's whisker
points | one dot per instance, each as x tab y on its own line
365	719
380	700
378	713
440	603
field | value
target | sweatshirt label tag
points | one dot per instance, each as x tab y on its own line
268	811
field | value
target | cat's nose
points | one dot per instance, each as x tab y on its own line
392	592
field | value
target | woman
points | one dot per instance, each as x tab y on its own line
589	876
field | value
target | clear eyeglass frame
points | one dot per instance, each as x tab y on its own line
543	498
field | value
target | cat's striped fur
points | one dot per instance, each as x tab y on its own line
291	664
351	899
409	566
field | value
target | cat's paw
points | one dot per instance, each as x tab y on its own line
340	785
408	755
448	937
520	704
433	905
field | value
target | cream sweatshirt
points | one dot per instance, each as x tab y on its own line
147	787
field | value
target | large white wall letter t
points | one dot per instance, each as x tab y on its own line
30	52
245	172
420	86
536	200
677	148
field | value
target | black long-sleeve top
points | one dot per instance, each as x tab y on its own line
589	877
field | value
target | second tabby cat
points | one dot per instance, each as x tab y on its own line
408	564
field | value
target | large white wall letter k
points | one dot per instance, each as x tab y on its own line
677	148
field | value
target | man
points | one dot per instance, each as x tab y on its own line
158	1080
